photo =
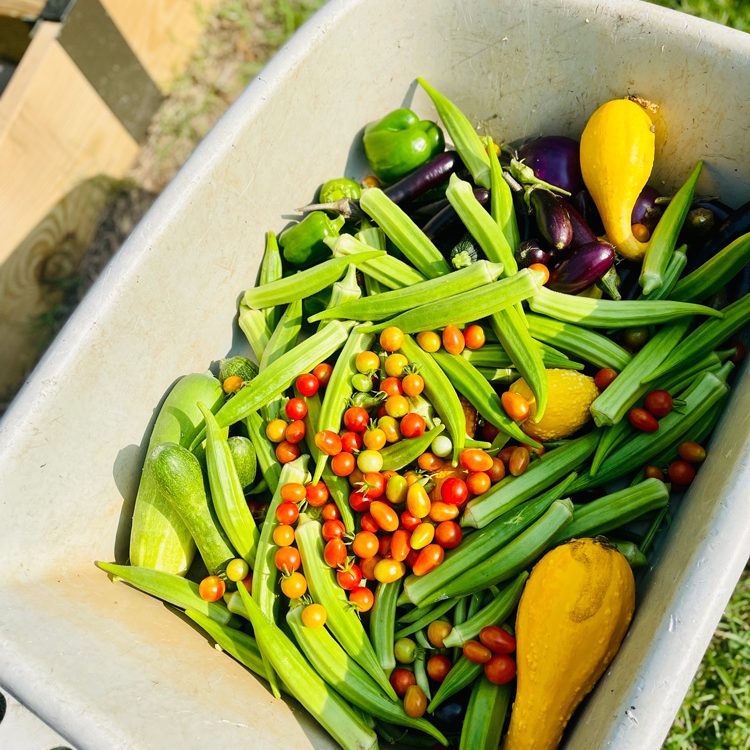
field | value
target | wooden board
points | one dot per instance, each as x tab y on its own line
162	33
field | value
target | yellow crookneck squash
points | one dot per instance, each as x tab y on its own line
617	156
573	614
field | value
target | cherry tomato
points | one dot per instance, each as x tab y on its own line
314	616
692	452
384	545
505	454
331	512
411	558
232	384
247	582
374	482
356	478
237	569
333	529
635	338
474	337
295	432
497	639
367	522
374	439
351	442
283	535
287	452
395	364
515	405
211	588
401	679
641	232
323	373
317	494
391	339
681	473
293	492
334	553
448	534
365	545
642	420
356	419
368	567
659	403
409	521
428	559
438	666
541	269
478	482
418	501
489	432
412	425
359	501
294	586
422	536
497	472
653	472
287	559
369	460
387	571
307	384
428	341
454	491
362	598
389	425
739	352
415	701
500	669
396	489
476	652
343	464
442	446
413	384
349	578
396	406
604	377
475	459
361	382
385	517
328	442
519	460
400	545
275	430
430	462
296	408
405	650
437	632
453	340
367	362
440	512
287	512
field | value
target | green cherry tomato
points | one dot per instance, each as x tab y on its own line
361	382
237	569
405	650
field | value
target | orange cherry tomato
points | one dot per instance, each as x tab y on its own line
367	362
448	534
391	339
211	588
367	522
368	567
428	559
365	545
391	386
374	439
497	472
542	269
477	652
412	425
314	616
287	452
385	517
453	340
440	511
331	512
295	431
429	462
287	512
388	570
287	559
294	586
293	492
437	632
474	337
428	341
515	405
478	482
323	373
328	442
692	452
413	384
415	701
653	472
232	384
317	494
438	666
333	529
519	461
400	546
362	598
334	553
641	232
475	459
343	464
396	406
283	535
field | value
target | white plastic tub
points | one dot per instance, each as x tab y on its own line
108	667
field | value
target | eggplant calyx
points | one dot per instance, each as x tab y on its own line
525	175
345	207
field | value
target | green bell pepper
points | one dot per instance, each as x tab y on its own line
399	143
336	190
304	245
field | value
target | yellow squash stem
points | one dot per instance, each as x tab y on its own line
617	155
572	617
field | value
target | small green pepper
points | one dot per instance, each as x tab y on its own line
303	244
336	190
399	143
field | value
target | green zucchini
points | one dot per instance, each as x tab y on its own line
158	538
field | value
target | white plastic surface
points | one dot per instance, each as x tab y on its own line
22	730
108	667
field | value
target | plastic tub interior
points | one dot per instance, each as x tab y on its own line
109	667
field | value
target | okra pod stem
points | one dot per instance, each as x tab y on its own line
391	303
502	375
485	716
512	491
256	328
497	611
305	283
674	269
480	224
472	305
664	239
404	233
342	292
607	313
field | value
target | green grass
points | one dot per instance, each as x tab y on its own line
734	13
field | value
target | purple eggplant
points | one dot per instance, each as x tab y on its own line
445	228
429	175
582	232
720	210
422	214
582	268
736	225
552	219
584	204
532	251
554	159
646	211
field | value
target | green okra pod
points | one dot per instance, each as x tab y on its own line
470	383
465	139
483	723
608	313
502	375
406	451
383	623
462	674
502	209
472	305
428	615
388	304
264	450
404	233
344	291
664	238
672	274
255	326
271	269
305	283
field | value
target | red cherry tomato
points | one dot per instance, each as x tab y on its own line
391	387
349	578
287	512
362	598
333	529
368	567
474	336
604	377
692	452
323	373
307	384
659	403
497	639
343	464
412	425
428	559
438	667
400	545
448	534
287	452
351	442
295	432
367	523
317	494
331	512
328	442
681	473
359	501
476	652
384	548
356	419
500	669
412	384
653	472
335	553
296	408
374	482
454	491
401	680
409	521
642	420
287	559
497	472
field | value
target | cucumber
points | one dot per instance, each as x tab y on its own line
178	476
158	537
242	366
243	457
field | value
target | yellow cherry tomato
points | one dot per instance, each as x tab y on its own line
391	339
389	425
367	362
418	501
422	535
388	570
396	488
429	341
294	586
369	460
396	406
275	430
374	439
395	364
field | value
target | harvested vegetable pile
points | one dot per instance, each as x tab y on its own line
471	367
